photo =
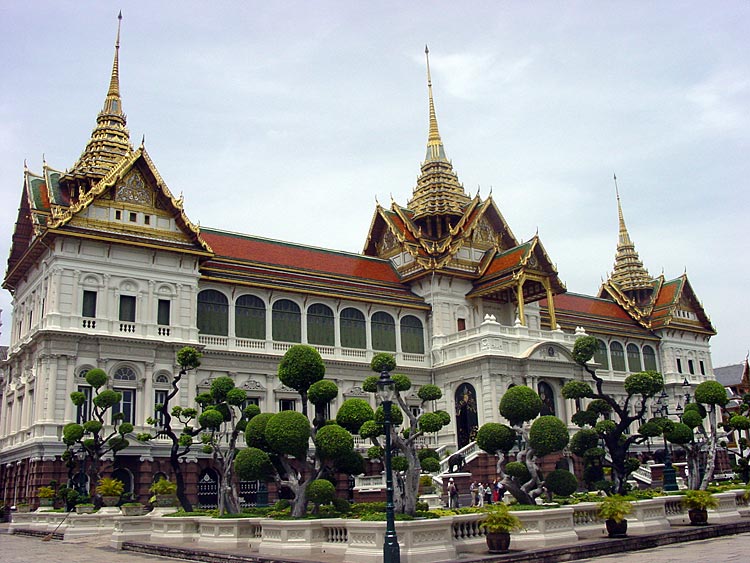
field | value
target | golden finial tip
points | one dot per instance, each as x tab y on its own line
426	50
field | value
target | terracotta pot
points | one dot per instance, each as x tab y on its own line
698	516
498	542
617	529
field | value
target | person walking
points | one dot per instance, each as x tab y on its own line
452	494
480	494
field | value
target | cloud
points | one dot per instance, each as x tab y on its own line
721	100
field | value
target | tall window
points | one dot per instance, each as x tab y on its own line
679	365
320	325
703	367
649	358
213	313
126	406
84	411
353	329
691	367
287	405
618	356
163	312
160	397
600	356
127	308
89	304
634	358
250	317
412	335
286	321
383	332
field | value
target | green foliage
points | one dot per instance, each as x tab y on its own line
644	383
236	397
351	463
46	492
382	362
584	440
397	417
375	452
188	358
125	428
615	508
109	487
78	398
322	392
333	441
253	464
117	443
163	487
740	422
429	393
584	418
680	434
518	470
711	393
220	387
548	434
577	390
92	426
444	416
494	437
204	399
342	505
584	349
321	491
430	464
371	429
251	411
430	422
605	426
599	406
425	453
370	384
399	463
353	413
700	499
501	519
631	464
288	432
300	367
211	418
695	407
107	398
255	431
519	404
403	383
594	453
561	482
72	433
649	429
96	377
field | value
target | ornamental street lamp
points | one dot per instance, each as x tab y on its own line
669	481
386	394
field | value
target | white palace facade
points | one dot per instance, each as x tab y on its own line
107	271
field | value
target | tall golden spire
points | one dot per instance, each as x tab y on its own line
629	273
110	139
438	191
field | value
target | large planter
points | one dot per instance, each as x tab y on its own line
46	502
498	542
616	529
166	500
131	510
110	501
80	509
23	508
698	516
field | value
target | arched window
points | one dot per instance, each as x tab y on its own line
649	358
547	397
213	313
250	317
320	325
125	374
412	335
600	356
618	356
353	329
383	332
287	321
634	358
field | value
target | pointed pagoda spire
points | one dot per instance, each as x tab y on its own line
629	273
438	191
110	139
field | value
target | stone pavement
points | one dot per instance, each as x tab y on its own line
726	549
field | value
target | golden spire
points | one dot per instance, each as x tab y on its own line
629	273
435	149
438	191
110	139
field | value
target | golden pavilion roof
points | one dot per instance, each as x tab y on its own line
629	273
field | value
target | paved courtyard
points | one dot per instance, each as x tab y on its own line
18	549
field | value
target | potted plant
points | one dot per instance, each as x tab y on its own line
426	486
165	492
85	508
499	523
698	503
132	509
110	490
46	496
23	507
614	509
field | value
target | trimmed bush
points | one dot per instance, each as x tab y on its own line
322	392
321	491
188	358
711	393
583	440
548	434
518	470
493	437
300	367
96	377
333	441
383	362
353	413
577	390
220	387
255	430
252	464
645	383
288	432
561	482
429	393
430	422
519	404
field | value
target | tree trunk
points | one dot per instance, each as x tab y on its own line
712	440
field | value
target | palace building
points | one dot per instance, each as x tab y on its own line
106	270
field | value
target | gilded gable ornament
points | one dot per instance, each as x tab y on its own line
133	190
483	231
387	243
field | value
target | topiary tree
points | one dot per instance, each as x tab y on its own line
91	438
406	442
300	367
320	491
547	434
713	396
163	423
561	482
739	422
639	388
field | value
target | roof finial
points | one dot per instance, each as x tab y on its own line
114	83
143	140
435	148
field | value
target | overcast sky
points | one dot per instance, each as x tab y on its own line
288	119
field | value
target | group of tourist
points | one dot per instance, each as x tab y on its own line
481	494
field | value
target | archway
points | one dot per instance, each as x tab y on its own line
548	399
467	421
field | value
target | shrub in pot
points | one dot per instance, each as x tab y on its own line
698	503
132	509
165	492
499	523
110	490
85	508
46	496
614	509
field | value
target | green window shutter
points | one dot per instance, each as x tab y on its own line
353	329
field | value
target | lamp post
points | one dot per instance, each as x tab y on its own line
386	393
669	481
